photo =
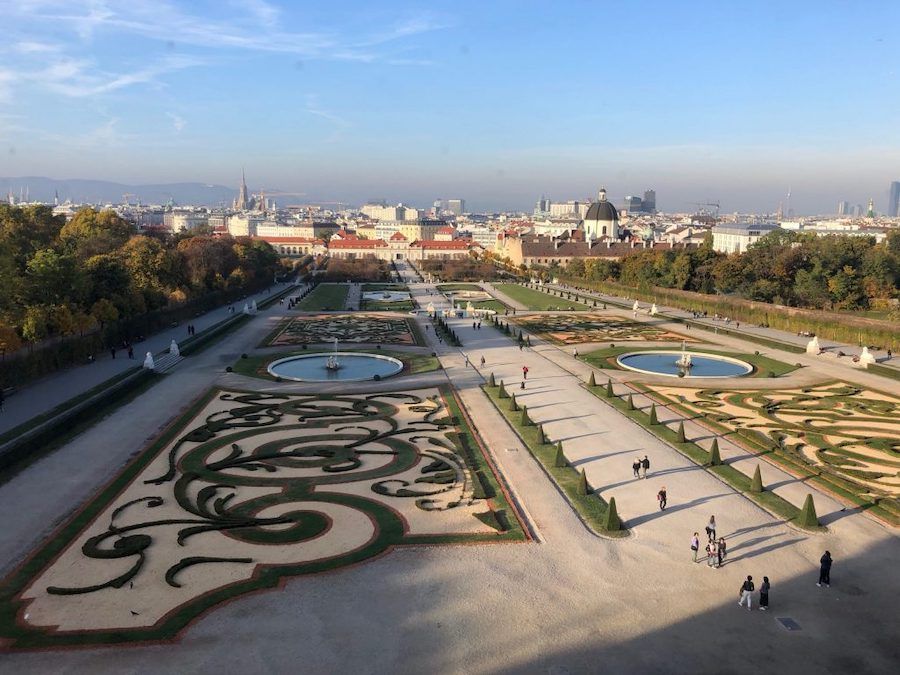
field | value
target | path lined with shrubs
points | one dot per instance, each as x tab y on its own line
44	395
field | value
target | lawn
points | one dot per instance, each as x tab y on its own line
763	366
385	287
451	288
327	297
537	300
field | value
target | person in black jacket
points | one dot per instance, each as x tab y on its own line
825	570
764	594
746	593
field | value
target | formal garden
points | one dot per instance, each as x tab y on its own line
386	298
345	328
247	488
566	329
763	366
842	436
537	300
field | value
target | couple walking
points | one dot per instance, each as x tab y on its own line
746	593
641	467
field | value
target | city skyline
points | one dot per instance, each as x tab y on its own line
496	104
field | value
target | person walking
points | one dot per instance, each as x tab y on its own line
112	351
720	551
661	498
575	352
645	466
695	545
467	360
482	361
764	594
825	570
130	351
524	372
746	593
710	554
711	528
636	467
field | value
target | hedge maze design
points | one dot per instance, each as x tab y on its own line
563	329
849	431
353	328
251	488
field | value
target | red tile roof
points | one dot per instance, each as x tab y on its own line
356	243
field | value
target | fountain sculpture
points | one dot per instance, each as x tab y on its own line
332	363
684	361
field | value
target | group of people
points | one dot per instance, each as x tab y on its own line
640	467
746	593
476	325
192	330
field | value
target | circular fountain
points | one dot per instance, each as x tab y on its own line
386	296
684	364
336	367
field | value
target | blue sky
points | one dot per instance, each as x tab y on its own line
495	102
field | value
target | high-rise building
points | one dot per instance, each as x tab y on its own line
633	204
858	211
893	209
456	206
649	203
843	208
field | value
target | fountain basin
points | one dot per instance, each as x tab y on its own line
386	296
666	363
354	367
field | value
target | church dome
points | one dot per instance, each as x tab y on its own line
602	209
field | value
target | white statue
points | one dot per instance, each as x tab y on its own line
149	364
653	310
636	306
253	306
812	347
246	309
866	357
173	348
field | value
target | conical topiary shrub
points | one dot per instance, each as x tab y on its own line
492	382
512	403
679	435
714	458
583	487
560	456
653	419
808	517
591	381
502	393
526	420
630	402
540	434
756	482
609	388
611	522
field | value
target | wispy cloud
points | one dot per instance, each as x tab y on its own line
177	121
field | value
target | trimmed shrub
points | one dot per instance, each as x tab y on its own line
583	487
492	382
653	419
526	420
756	482
714	458
612	523
502	393
808	517
679	436
542	439
560	461
609	388
592	382
512	403
630	402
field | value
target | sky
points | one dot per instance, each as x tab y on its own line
494	102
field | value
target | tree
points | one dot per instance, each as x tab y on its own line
611	522
714	458
93	232
583	487
34	325
104	312
9	339
53	278
756	482
560	460
808	517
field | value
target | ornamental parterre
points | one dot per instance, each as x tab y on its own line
346	328
249	488
567	329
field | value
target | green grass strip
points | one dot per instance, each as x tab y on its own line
591	507
537	300
325	297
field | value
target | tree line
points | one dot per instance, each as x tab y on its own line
95	272
796	269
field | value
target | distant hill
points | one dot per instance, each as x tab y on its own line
104	192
